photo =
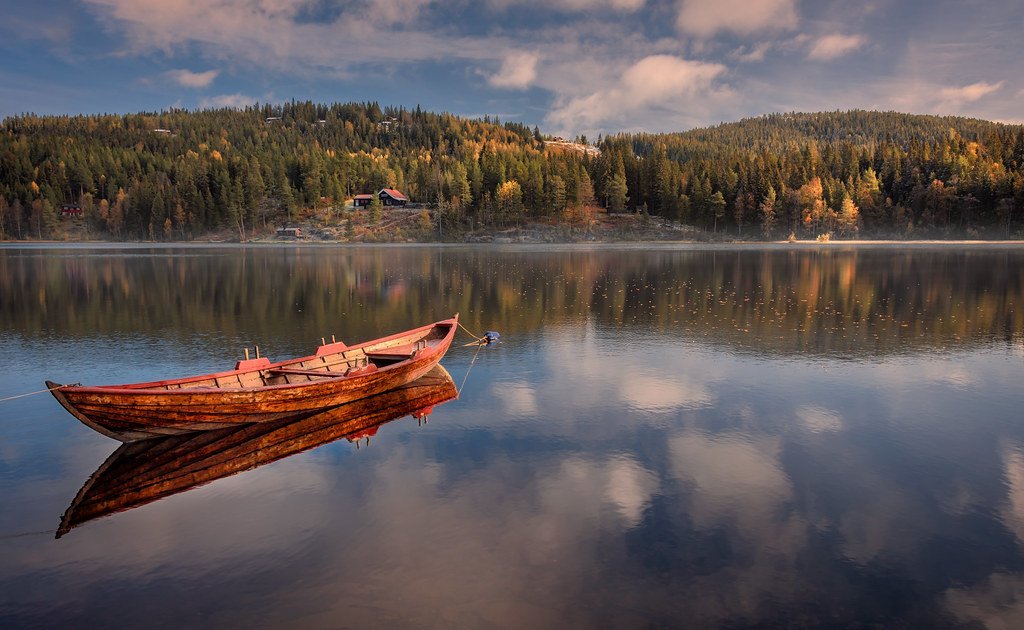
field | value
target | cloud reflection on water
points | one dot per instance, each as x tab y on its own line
604	466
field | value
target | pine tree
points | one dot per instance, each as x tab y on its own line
284	193
17	216
769	215
376	210
5	211
666	195
460	187
556	194
616	191
585	191
717	205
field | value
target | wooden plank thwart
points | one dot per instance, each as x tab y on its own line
296	372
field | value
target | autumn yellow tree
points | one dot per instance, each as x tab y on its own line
849	217
812	205
425	224
868	196
510	202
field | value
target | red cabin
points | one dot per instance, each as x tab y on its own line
387	196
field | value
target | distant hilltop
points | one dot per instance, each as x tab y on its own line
561	143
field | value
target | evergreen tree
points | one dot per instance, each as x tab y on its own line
461	189
616	191
556	194
717	205
769	216
284	194
5	211
376	210
585	191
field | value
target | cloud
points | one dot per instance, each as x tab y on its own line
618	5
395	11
187	78
276	35
745	54
969	93
231	101
742	17
657	81
58	30
625	6
835	45
518	71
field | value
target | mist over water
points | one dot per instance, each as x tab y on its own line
665	434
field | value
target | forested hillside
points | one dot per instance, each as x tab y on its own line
179	174
841	172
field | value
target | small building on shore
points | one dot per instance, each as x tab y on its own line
71	210
289	232
391	197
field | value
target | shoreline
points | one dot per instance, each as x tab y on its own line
659	244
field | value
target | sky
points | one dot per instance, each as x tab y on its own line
567	66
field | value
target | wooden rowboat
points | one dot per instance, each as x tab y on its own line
258	390
142	472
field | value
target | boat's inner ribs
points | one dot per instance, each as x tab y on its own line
348	362
345	363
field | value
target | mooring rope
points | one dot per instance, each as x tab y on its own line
458	392
26	534
41	391
479	342
478	338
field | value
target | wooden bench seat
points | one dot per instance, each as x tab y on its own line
296	372
394	352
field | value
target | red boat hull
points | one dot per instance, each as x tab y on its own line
260	391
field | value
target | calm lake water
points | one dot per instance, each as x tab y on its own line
665	436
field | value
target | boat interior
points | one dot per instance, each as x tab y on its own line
331	360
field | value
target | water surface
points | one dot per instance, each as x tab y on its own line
716	436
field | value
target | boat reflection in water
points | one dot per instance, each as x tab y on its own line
138	473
